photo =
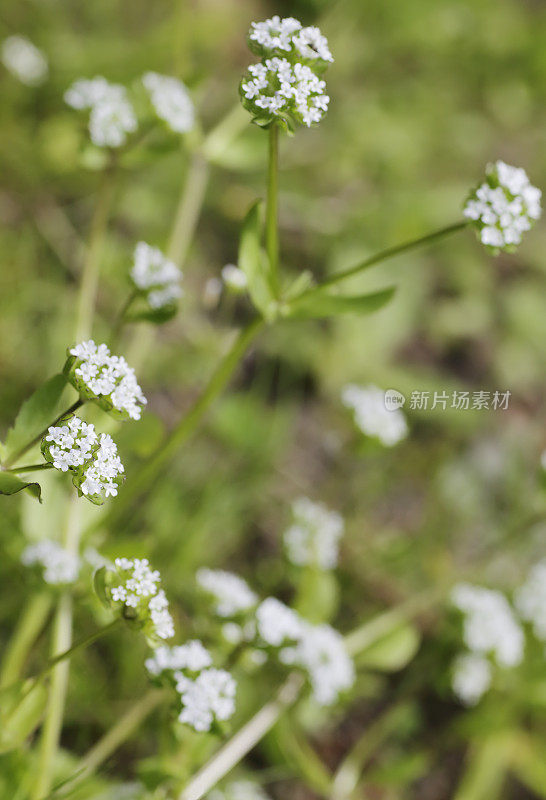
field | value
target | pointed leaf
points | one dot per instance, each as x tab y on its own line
253	261
393	651
35	414
321	304
11	484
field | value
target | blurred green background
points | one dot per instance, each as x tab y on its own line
423	94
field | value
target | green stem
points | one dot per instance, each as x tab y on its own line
16	456
120	319
188	210
390	252
30	468
220	137
141	481
28	628
91	267
272	211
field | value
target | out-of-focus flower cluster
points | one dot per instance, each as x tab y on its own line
285	85
92	458
59	565
155	277
503	207
133	588
372	416
106	379
313	537
231	594
24	60
170	100
530	600
207	694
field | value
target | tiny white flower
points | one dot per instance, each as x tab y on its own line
138	589
276	623
314	536
60	566
232	593
156	277
24	60
171	101
372	416
210	696
111	117
530	600
471	678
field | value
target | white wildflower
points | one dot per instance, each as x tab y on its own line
210	697
136	588
504	206
105	378
287	37
24	60
60	565
171	101
92	458
232	594
489	625
471	678
155	276
192	656
276	623
314	536
312	45
234	278
530	600
321	651
111	117
372	416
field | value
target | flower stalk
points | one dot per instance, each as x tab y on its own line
272	208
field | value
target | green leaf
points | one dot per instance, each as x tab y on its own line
23	719
319	303
99	584
318	595
35	415
393	651
254	263
11	484
486	767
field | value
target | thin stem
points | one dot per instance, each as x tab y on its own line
243	742
90	274
272	212
188	210
29	625
143	479
390	252
220	137
121	317
16	456
30	468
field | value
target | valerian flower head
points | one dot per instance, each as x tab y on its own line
372	416
313	538
489	626
503	207
232	595
171	101
156	278
133	588
191	656
111	117
471	677
285	86
106	379
207	699
530	600
92	458
59	565
276	623
24	60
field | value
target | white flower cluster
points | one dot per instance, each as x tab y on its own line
285	85
112	116
155	277
239	790
60	566
471	677
504	206
372	416
278	89
24	60
170	100
105	378
207	694
318	649
281	36
314	536
231	593
490	626
530	600
92	458
138	595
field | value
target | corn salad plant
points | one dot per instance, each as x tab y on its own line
230	658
